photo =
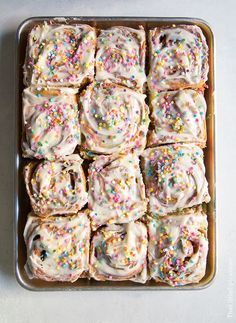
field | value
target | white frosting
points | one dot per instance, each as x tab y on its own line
116	190
121	56
60	55
178	57
178	248
57	187
50	121
113	119
118	252
178	116
57	247
174	178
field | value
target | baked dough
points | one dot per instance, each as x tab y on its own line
56	187
60	55
116	190
50	123
178	58
120	56
57	247
174	177
178	116
178	248
113	119
118	252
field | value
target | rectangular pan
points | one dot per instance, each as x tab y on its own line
22	206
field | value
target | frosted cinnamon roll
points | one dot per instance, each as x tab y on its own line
60	55
113	119
57	187
116	190
118	252
178	58
178	116
120	56
57	247
178	248
50	123
175	178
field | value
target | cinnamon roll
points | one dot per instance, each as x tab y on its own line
178	58
57	187
60	55
57	247
178	248
116	190
178	116
174	178
113	119
118	252
50	123
120	56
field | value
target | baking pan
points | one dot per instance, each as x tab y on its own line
22	205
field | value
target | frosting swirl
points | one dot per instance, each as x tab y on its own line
178	58
178	248
60	55
57	247
120	56
174	178
50	123
57	187
178	116
113	119
118	252
116	190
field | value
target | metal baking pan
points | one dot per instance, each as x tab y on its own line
22	205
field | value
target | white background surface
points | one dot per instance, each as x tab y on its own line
214	304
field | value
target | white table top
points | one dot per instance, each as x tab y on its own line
214	304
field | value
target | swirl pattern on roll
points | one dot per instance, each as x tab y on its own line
57	187
118	252
178	58
60	55
57	247
116	190
50	123
113	119
120	56
174	178
178	116
178	248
